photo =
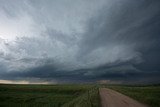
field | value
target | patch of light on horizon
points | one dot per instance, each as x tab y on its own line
20	82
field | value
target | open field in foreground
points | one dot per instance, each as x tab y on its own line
44	95
71	95
146	94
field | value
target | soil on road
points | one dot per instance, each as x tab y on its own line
110	98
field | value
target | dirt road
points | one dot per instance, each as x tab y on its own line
110	98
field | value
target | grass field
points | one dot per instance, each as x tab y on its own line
146	94
42	95
89	99
70	95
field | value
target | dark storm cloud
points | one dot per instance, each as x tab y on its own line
129	23
119	42
122	73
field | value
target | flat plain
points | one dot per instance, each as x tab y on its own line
39	95
72	95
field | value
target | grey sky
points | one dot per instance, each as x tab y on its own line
80	40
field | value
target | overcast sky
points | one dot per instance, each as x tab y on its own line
58	41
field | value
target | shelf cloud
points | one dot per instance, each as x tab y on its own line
80	41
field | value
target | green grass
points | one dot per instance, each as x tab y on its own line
40	95
89	99
146	94
70	95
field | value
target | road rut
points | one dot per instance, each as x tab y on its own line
111	98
